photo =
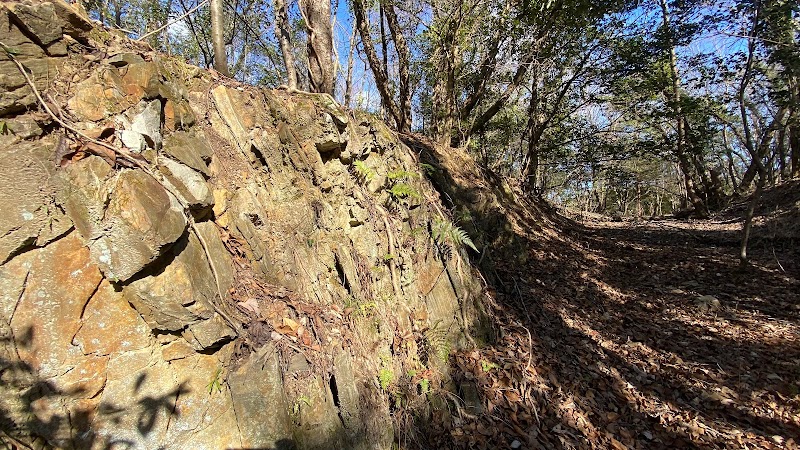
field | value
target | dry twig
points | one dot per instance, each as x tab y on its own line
174	21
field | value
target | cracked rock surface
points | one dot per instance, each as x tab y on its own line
234	283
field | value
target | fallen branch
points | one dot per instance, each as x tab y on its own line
15	441
125	155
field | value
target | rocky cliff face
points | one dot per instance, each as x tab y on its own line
192	263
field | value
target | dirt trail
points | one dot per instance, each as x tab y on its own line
638	336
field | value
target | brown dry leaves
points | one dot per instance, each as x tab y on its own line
624	357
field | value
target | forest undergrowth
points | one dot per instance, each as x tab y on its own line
643	335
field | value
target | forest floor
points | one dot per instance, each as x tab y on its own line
641	335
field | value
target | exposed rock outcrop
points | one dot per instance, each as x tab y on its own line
252	269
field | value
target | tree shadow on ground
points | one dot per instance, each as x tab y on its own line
600	343
622	354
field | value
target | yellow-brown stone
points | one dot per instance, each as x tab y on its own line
111	325
62	278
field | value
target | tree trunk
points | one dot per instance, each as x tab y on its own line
747	180
348	86
794	149
487	67
103	11
317	14
384	47
513	85
403	57
531	159
731	162
444	108
754	151
691	191
165	33
378	70
118	13
748	220
783	168
283	33
218	38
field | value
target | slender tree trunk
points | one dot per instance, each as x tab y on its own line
748	220
755	152
680	144
317	14
348	89
487	68
794	150
731	162
104	11
638	199
118	13
379	72
519	76
218	38
403	57
165	33
761	149
200	38
384	47
283	33
783	168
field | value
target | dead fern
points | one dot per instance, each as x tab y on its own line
434	343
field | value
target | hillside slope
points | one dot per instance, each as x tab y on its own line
188	262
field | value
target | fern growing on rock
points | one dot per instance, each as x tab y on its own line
435	343
403	190
401	175
444	232
363	172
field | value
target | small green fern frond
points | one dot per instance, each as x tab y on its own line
444	231
463	238
402	190
429	169
401	175
363	171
